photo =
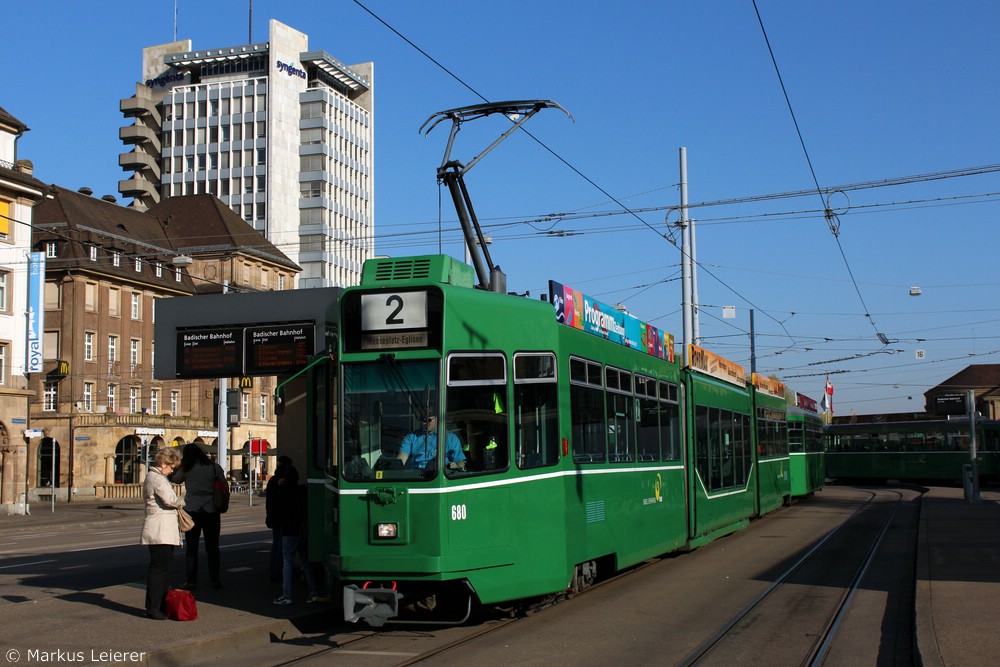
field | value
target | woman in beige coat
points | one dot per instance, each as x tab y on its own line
159	529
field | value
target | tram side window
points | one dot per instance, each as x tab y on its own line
648	419
701	429
670	422
722	449
536	423
727	444
476	410
621	423
744	448
772	437
814	438
796	439
586	395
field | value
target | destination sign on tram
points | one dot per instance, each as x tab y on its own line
393	320
210	353
278	349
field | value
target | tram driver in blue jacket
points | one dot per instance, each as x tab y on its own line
420	448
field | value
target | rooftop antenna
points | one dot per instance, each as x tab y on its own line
175	20
452	173
250	25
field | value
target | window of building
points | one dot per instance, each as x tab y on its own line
135	353
177	275
50	345
175	402
90	297
51	249
88	345
93	253
312	136
281	282
311	163
52	293
4	283
158	269
136	306
133	399
112	349
263	407
5	215
88	396
245	405
138	264
116	258
4	352
112	397
114	302
154	401
51	397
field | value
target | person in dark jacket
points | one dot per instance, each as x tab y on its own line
198	473
271	516
290	510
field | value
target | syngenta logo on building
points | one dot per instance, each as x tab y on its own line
163	80
291	70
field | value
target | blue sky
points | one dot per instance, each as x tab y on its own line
881	91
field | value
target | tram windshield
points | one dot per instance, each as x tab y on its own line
385	404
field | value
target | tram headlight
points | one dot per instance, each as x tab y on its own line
386	531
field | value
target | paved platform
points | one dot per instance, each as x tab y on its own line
108	625
958	578
958	583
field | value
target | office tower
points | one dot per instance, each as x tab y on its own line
280	133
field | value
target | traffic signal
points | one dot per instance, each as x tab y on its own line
233	399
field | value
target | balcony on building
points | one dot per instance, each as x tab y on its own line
137	160
138	187
140	134
140	106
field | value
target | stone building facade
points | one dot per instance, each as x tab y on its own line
99	409
19	192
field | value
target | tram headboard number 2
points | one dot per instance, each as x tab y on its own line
388	311
385	316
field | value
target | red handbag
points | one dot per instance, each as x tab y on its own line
181	606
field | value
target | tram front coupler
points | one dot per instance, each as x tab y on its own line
374	605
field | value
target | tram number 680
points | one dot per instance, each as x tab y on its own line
459	513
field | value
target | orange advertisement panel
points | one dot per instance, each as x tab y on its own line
769	386
712	364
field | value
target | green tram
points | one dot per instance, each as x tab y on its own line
805	447
932	451
491	450
771	427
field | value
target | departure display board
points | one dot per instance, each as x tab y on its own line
278	349
210	353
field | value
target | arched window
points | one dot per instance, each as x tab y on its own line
46	472
127	460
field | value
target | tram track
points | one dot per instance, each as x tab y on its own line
797	606
809	607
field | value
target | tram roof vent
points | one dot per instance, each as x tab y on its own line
430	268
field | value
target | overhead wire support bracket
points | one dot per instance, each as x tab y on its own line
452	173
